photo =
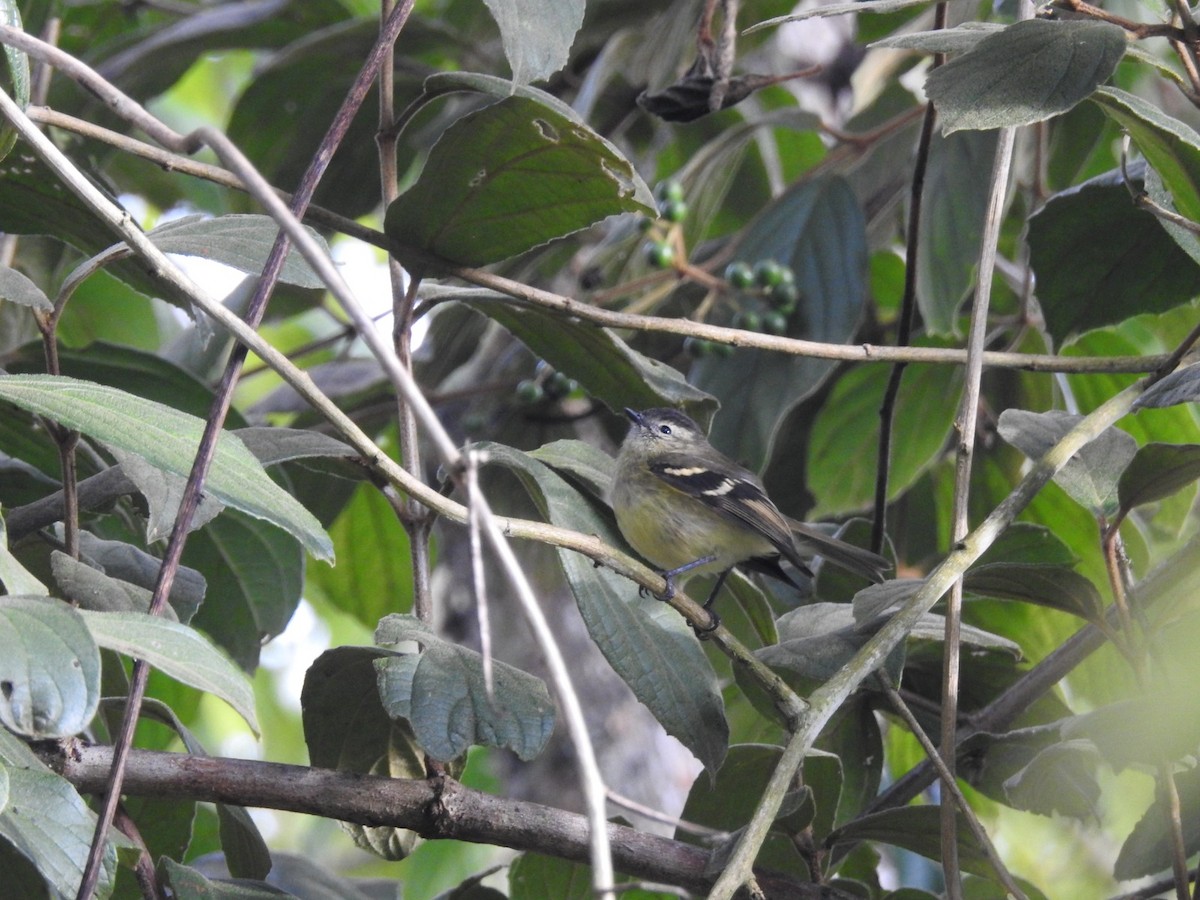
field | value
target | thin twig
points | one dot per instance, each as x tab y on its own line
965	426
950	785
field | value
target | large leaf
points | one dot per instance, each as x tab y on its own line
16	288
1026	73
1158	471
843	448
442	693
597	358
242	242
1098	258
255	575
537	34
48	823
15	79
818	229
14	577
1147	850
645	641
1169	145
181	652
509	177
49	667
1092	474
347	728
167	439
954	201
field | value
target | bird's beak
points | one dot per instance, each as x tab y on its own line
634	416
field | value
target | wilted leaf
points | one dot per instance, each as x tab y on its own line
1060	779
1181	386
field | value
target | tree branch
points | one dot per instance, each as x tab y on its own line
434	808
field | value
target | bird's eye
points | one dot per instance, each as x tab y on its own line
665	429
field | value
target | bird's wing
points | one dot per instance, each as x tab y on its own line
737	495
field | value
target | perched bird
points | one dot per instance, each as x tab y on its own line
689	509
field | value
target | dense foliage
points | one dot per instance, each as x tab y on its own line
957	331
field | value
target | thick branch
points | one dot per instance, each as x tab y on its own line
432	808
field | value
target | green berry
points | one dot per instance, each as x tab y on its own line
775	322
670	190
644	224
723	350
559	385
697	347
529	392
740	275
748	321
784	294
674	210
659	254
768	273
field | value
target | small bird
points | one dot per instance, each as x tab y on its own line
689	509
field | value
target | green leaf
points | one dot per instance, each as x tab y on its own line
1029	72
843	448
1171	147
179	651
728	802
1181	386
167	439
508	178
645	641
1060	779
837	9
537	34
188	884
15	78
533	876
255	576
373	576
1158	471
447	702
1098	258
240	241
49	668
598	359
14	577
958	39
130	564
915	828
818	229
1147	850
16	288
585	463
91	589
1056	587
1091	475
954	203
48	823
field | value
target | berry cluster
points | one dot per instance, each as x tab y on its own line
546	384
672	208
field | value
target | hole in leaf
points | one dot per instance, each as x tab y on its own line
549	132
6	688
624	182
